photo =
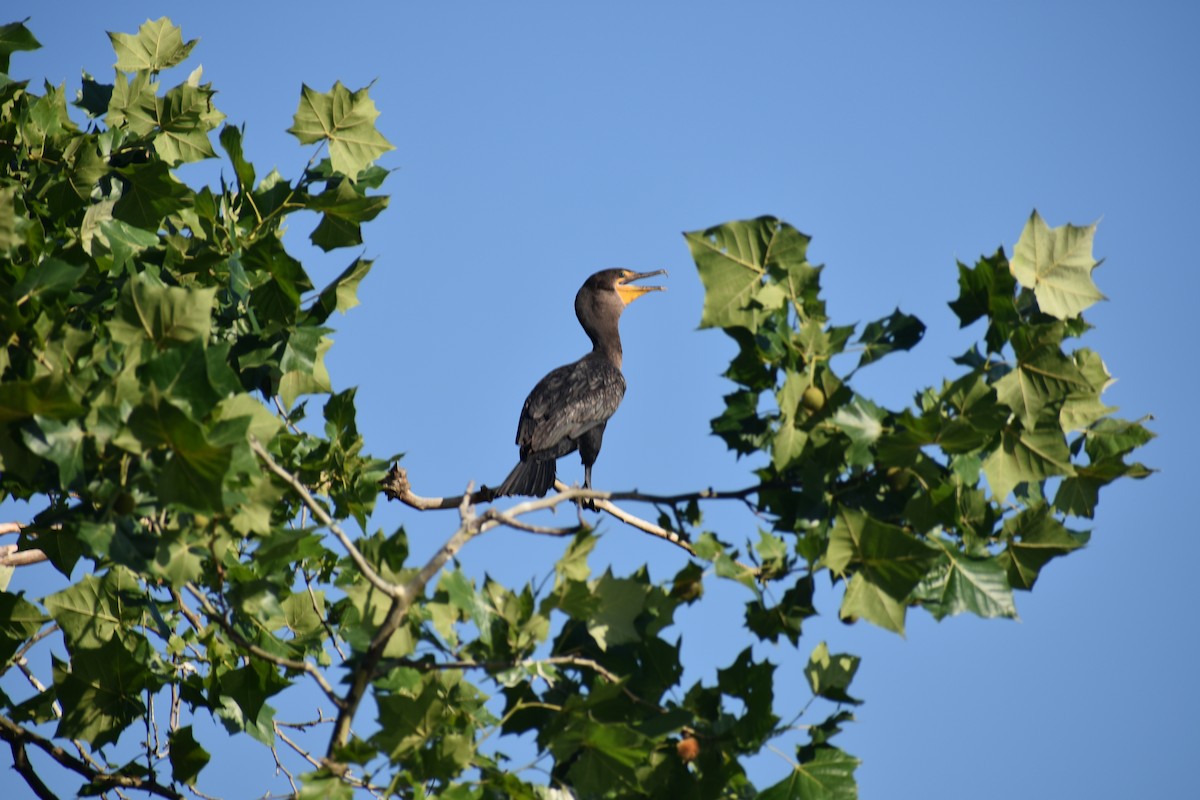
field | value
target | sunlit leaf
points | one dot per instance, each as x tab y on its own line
346	121
156	46
1057	265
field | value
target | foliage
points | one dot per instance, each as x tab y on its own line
160	347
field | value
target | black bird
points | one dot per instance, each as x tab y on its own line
569	408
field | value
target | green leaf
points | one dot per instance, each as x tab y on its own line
605	758
194	475
303	363
185	115
244	693
187	756
893	559
19	620
829	676
324	785
125	242
13	37
344	119
1045	378
961	583
60	443
824	773
887	564
102	693
152	194
133	104
94	97
1057	265
861	421
9	220
343	210
50	279
621	600
231	141
163	314
1034	538
733	260
899	331
89	612
156	46
342	293
752	682
866	599
1026	456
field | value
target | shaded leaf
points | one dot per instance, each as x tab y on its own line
14	37
899	331
187	756
829	676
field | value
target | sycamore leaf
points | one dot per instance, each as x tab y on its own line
898	331
13	37
342	293
344	119
184	118
621	601
101	694
1026	456
733	260
1034	538
861	422
829	675
156	46
187	756
1057	265
959	583
823	773
887	563
1047	377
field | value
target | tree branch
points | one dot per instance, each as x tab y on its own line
18	736
363	673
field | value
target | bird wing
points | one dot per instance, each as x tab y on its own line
567	403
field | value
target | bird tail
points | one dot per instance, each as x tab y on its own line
532	478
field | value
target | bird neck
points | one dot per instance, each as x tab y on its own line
606	342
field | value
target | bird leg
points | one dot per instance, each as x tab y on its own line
588	503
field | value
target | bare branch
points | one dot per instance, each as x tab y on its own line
10	556
10	527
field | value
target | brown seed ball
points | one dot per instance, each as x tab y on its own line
688	749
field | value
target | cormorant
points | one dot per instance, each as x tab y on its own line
569	408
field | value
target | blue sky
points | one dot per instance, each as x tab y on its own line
539	142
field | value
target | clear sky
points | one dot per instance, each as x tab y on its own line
539	142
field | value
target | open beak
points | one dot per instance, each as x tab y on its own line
629	293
